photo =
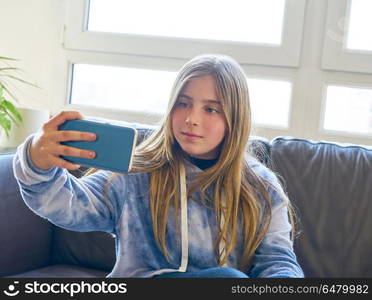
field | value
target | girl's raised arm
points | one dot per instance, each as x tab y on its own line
72	203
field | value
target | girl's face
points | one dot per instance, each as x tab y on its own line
198	122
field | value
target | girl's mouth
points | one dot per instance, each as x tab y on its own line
190	135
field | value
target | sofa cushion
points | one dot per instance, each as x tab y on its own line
87	249
57	271
25	237
330	186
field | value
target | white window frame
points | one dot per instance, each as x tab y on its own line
335	54
287	54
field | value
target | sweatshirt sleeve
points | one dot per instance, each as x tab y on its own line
82	204
275	256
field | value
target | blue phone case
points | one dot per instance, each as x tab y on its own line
114	145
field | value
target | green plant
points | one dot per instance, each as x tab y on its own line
8	112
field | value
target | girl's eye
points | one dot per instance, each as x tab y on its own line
212	110
182	104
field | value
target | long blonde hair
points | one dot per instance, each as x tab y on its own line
247	194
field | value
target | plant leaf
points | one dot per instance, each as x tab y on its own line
8	112
7	58
5	124
10	93
21	80
12	111
8	68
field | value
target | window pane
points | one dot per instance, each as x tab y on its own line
148	91
270	101
123	88
228	20
359	32
348	109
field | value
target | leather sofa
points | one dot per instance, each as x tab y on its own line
329	184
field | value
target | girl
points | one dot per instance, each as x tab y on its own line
195	203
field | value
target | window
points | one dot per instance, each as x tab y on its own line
175	29
270	102
348	109
240	21
123	88
348	38
115	48
359	35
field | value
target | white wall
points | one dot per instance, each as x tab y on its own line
31	30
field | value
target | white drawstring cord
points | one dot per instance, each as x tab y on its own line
184	229
184	224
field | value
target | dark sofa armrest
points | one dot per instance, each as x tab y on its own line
25	238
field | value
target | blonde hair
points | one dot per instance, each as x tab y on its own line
247	194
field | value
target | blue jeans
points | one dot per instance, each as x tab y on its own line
217	272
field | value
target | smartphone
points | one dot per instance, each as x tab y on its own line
113	146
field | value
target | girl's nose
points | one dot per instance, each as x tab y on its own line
192	119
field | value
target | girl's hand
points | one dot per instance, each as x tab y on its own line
45	148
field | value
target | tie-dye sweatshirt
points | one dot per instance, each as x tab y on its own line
83	204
